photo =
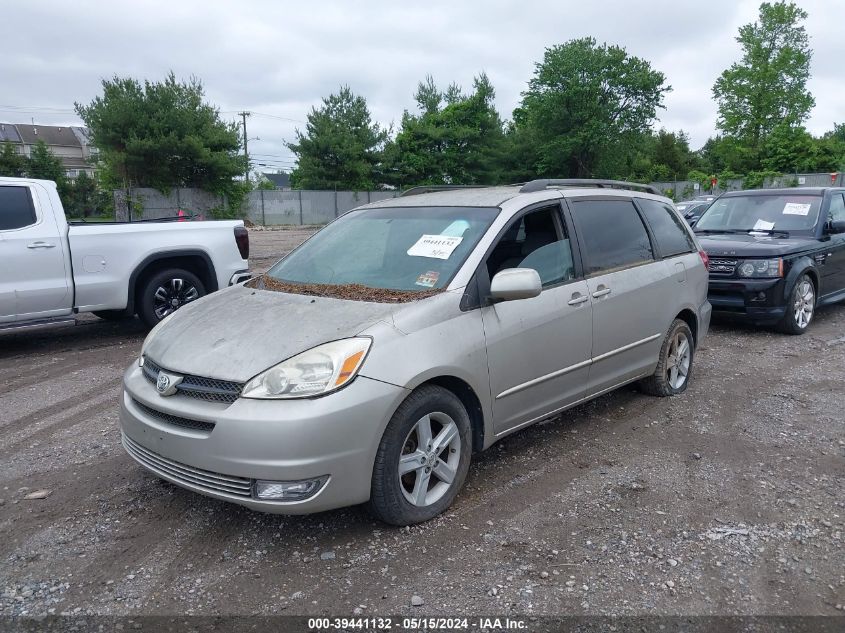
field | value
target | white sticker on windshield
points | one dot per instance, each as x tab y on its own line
796	208
437	246
762	225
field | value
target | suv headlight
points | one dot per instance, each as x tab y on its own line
761	268
320	370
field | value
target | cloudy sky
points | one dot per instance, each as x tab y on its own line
277	59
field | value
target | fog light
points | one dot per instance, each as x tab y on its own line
289	490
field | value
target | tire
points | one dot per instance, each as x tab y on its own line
800	308
114	315
165	292
671	377
400	499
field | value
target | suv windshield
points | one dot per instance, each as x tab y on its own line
776	212
398	248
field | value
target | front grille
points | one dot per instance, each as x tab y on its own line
209	389
722	267
188	475
175	420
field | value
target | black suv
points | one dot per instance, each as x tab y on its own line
775	254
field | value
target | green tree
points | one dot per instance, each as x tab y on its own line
163	135
455	139
585	104
341	147
43	164
11	162
768	86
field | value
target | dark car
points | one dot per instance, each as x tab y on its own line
692	210
775	254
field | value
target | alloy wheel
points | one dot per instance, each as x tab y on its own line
805	303
678	361
172	295
429	460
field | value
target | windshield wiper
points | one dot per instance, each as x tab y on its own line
732	231
780	232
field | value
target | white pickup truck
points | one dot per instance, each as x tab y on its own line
51	270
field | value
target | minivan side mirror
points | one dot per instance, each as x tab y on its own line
515	283
836	226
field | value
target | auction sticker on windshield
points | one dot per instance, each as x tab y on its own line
796	208
437	246
428	279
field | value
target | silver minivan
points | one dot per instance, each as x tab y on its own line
368	365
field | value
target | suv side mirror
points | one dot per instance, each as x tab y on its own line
515	283
836	226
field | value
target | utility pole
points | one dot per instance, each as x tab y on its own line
244	115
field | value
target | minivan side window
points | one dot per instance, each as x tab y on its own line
612	233
16	210
671	237
535	240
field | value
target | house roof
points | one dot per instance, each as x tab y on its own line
50	134
282	181
9	133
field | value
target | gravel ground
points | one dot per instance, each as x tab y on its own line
726	500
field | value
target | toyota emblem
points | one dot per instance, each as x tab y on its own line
163	383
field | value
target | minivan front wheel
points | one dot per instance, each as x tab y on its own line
423	457
674	366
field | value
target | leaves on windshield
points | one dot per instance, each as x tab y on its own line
351	292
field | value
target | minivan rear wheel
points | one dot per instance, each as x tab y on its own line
423	458
674	367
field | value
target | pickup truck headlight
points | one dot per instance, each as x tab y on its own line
761	268
318	371
151	336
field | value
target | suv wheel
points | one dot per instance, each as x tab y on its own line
423	458
800	308
674	368
166	292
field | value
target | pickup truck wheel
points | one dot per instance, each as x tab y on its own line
674	367
800	307
423	458
114	315
167	291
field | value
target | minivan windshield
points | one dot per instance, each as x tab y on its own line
409	249
761	212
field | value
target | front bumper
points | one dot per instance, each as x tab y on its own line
282	440
757	300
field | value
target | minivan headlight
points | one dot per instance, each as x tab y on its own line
761	268
320	370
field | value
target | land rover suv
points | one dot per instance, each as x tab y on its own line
368	365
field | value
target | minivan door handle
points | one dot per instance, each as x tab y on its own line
577	298
40	245
601	291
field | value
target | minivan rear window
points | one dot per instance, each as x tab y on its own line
668	229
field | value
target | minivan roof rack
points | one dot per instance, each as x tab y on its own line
539	185
414	191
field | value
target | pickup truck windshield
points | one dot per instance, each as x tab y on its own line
791	213
398	248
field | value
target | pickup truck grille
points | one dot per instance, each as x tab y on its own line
199	387
722	267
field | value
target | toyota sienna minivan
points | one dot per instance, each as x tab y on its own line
372	362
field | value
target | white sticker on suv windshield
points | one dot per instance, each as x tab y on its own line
762	225
437	246
796	208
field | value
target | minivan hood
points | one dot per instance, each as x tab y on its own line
744	245
239	332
